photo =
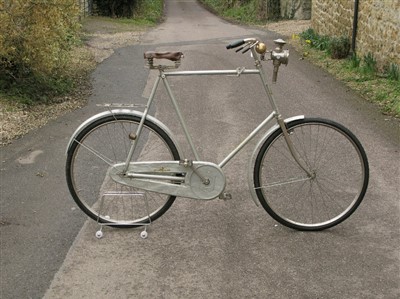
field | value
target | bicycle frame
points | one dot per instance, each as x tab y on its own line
238	72
124	172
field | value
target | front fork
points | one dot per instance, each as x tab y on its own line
291	147
279	56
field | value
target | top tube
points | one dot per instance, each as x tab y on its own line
237	72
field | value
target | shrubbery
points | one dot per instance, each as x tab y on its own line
247	11
36	37
148	9
339	47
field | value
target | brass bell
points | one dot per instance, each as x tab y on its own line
261	48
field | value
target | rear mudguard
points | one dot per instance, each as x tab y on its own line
255	153
122	112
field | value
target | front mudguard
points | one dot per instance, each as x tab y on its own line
250	175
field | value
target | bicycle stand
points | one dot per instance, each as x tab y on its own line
143	234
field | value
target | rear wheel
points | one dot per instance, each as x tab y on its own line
104	143
339	180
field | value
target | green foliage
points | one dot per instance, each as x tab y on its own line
369	64
383	89
339	47
245	11
143	11
36	38
355	61
149	11
320	42
35	89
366	69
309	34
393	72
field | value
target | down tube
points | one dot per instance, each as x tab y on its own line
247	139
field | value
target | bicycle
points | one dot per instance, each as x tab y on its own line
307	173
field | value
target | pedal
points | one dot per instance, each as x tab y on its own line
225	196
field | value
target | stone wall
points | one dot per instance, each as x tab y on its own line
296	9
378	25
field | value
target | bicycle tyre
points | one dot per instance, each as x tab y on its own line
104	143
336	158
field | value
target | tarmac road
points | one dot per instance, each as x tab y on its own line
215	249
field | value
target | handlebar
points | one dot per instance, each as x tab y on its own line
249	41
235	44
278	56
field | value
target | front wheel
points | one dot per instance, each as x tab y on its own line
95	150
339	175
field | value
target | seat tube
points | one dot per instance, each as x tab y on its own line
140	127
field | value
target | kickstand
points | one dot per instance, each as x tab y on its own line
144	234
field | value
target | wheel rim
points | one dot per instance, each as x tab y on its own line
98	149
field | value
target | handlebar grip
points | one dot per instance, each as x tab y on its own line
235	44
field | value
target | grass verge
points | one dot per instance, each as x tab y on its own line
359	73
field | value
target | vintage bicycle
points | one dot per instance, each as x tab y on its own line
125	168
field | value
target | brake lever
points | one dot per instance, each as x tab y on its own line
249	46
240	49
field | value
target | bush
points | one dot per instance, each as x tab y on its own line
130	8
246	11
339	47
36	37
